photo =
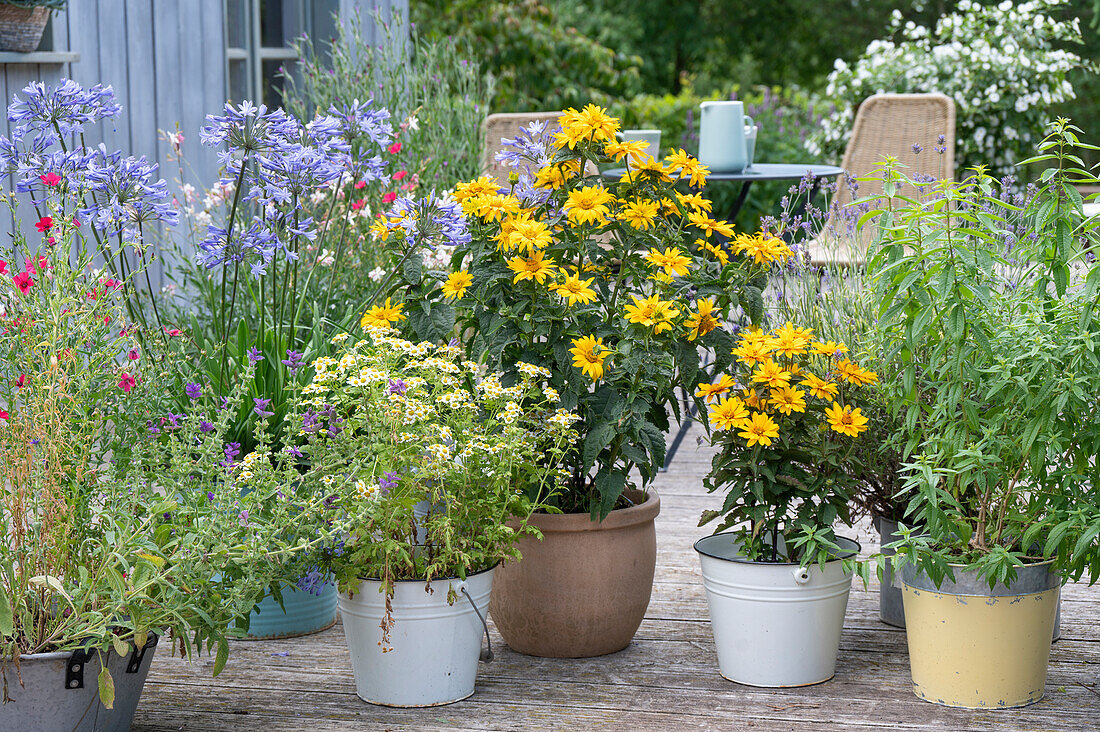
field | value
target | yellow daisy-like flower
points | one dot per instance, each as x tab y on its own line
456	284
819	387
710	226
382	315
728	414
694	201
651	312
689	167
494	208
752	399
555	175
573	289
762	248
754	348
635	149
712	391
772	375
828	348
592	122
673	261
639	214
649	168
845	420
588	205
790	341
719	252
855	374
528	235
588	356
483	186
787	399
702	321
759	429
534	267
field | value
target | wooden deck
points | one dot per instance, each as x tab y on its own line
666	680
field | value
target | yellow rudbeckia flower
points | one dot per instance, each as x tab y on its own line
588	356
456	284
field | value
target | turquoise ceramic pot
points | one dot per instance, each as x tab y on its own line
302	613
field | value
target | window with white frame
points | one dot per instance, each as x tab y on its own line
259	43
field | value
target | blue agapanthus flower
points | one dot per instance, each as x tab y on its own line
46	110
430	221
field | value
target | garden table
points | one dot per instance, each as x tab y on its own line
752	174
760	172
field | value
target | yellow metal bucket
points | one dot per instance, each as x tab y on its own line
977	648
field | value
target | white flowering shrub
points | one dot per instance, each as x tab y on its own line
1002	64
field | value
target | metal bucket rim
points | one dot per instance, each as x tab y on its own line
434	579
1030	579
848	553
154	638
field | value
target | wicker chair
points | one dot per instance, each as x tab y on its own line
888	124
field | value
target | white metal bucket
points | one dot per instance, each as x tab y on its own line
774	624
434	647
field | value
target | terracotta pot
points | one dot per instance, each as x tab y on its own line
584	589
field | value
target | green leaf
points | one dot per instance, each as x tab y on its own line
222	656
413	271
106	685
6	625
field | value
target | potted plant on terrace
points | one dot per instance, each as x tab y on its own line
109	541
786	418
837	303
994	424
614	288
258	282
426	458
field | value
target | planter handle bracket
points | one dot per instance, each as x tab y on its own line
136	658
74	669
487	654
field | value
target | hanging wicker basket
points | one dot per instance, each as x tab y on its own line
21	28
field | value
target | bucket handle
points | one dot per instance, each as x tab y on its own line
487	654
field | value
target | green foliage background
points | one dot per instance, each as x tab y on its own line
547	54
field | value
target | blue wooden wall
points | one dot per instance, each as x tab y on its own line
166	61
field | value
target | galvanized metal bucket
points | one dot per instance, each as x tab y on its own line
59	691
434	647
979	648
302	613
891	609
774	625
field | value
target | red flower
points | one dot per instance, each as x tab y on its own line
3	414
399	175
50	179
355	206
126	383
44	224
52	240
21	381
389	197
3	267
23	281
76	222
173	332
133	354
360	184
394	148
106	319
40	260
